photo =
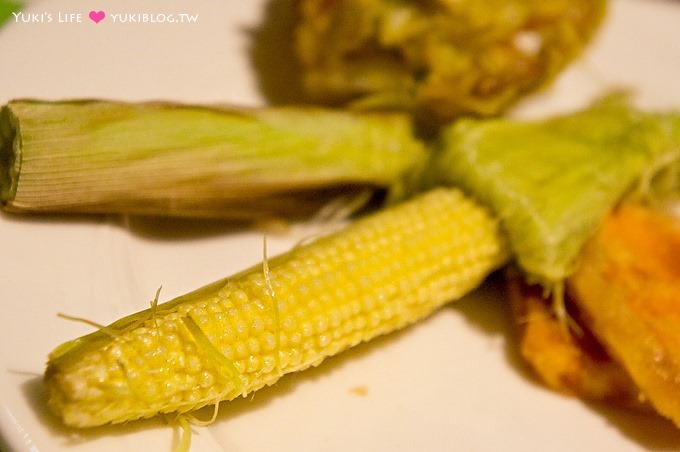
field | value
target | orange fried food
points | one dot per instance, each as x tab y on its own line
627	289
574	364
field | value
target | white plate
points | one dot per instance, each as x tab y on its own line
452	382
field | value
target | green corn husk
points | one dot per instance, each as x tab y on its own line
551	182
187	160
7	7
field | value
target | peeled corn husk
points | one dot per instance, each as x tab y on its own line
195	160
551	182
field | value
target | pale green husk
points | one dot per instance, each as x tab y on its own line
192	160
552	181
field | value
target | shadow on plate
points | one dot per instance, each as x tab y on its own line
651	431
272	55
173	228
486	311
147	227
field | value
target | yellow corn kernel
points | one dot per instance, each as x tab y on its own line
236	335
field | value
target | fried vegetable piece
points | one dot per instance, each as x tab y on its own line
570	363
438	58
239	334
627	288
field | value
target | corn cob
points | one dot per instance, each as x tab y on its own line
239	334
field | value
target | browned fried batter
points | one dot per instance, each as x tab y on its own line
571	363
438	58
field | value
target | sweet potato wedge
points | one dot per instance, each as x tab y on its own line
627	290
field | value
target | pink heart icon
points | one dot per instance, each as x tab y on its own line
97	16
